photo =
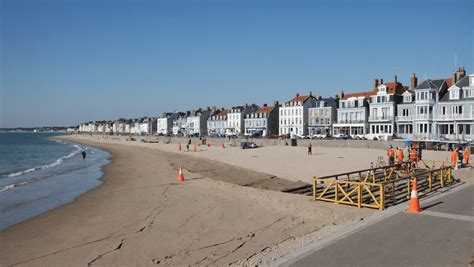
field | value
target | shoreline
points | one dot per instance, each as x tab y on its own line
33	193
138	206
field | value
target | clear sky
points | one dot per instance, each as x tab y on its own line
64	62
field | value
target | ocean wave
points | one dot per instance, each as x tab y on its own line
46	166
11	186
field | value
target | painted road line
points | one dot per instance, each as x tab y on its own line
448	215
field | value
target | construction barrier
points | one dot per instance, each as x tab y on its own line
379	187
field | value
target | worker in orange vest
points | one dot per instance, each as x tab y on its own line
390	155
454	158
466	155
399	155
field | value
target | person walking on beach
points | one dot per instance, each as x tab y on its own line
454	158
83	153
310	147
390	155
188	144
399	155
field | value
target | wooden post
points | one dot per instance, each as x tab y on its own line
359	195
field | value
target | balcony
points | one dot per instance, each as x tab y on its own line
380	118
351	121
424	116
404	118
451	117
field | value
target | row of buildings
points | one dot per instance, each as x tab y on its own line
436	109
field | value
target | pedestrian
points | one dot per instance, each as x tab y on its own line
466	154
188	144
454	158
390	155
399	155
83	153
310	147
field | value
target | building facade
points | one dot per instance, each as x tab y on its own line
352	114
164	124
235	118
179	123
322	116
383	109
294	115
263	122
196	122
454	119
217	123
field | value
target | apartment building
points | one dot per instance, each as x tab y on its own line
263	122
294	115
353	113
322	116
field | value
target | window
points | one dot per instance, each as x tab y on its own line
443	110
407	98
469	93
454	94
457	109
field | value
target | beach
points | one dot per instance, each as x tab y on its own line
228	211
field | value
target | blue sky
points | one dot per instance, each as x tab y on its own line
64	62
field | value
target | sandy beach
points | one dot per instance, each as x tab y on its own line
141	215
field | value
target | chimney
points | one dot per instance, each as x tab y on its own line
376	83
413	82
342	94
381	81
264	105
395	78
275	103
297	94
310	93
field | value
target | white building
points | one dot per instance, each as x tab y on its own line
294	115
383	109
352	114
263	122
217	122
196	122
164	125
235	118
322	116
454	119
406	111
179	123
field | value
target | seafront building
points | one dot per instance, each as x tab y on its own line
352	114
454	118
383	109
196	122
235	118
322	116
294	115
263	122
217	122
179	123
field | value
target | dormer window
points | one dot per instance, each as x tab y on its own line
468	93
407	98
454	94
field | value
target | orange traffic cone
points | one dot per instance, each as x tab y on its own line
414	201
181	175
223	146
179	146
194	148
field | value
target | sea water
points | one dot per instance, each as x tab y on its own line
38	174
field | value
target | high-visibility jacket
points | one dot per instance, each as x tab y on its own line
390	153
454	157
466	155
400	155
413	155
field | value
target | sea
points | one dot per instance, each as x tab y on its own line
38	174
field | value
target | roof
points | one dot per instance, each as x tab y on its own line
358	94
299	98
266	109
395	88
464	82
434	84
223	113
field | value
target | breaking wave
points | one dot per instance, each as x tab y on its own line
46	166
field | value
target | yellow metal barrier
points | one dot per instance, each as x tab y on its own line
366	191
360	194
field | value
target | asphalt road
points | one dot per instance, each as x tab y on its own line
441	235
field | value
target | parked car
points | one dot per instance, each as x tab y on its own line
340	136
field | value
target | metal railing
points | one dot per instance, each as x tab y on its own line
380	118
370	187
